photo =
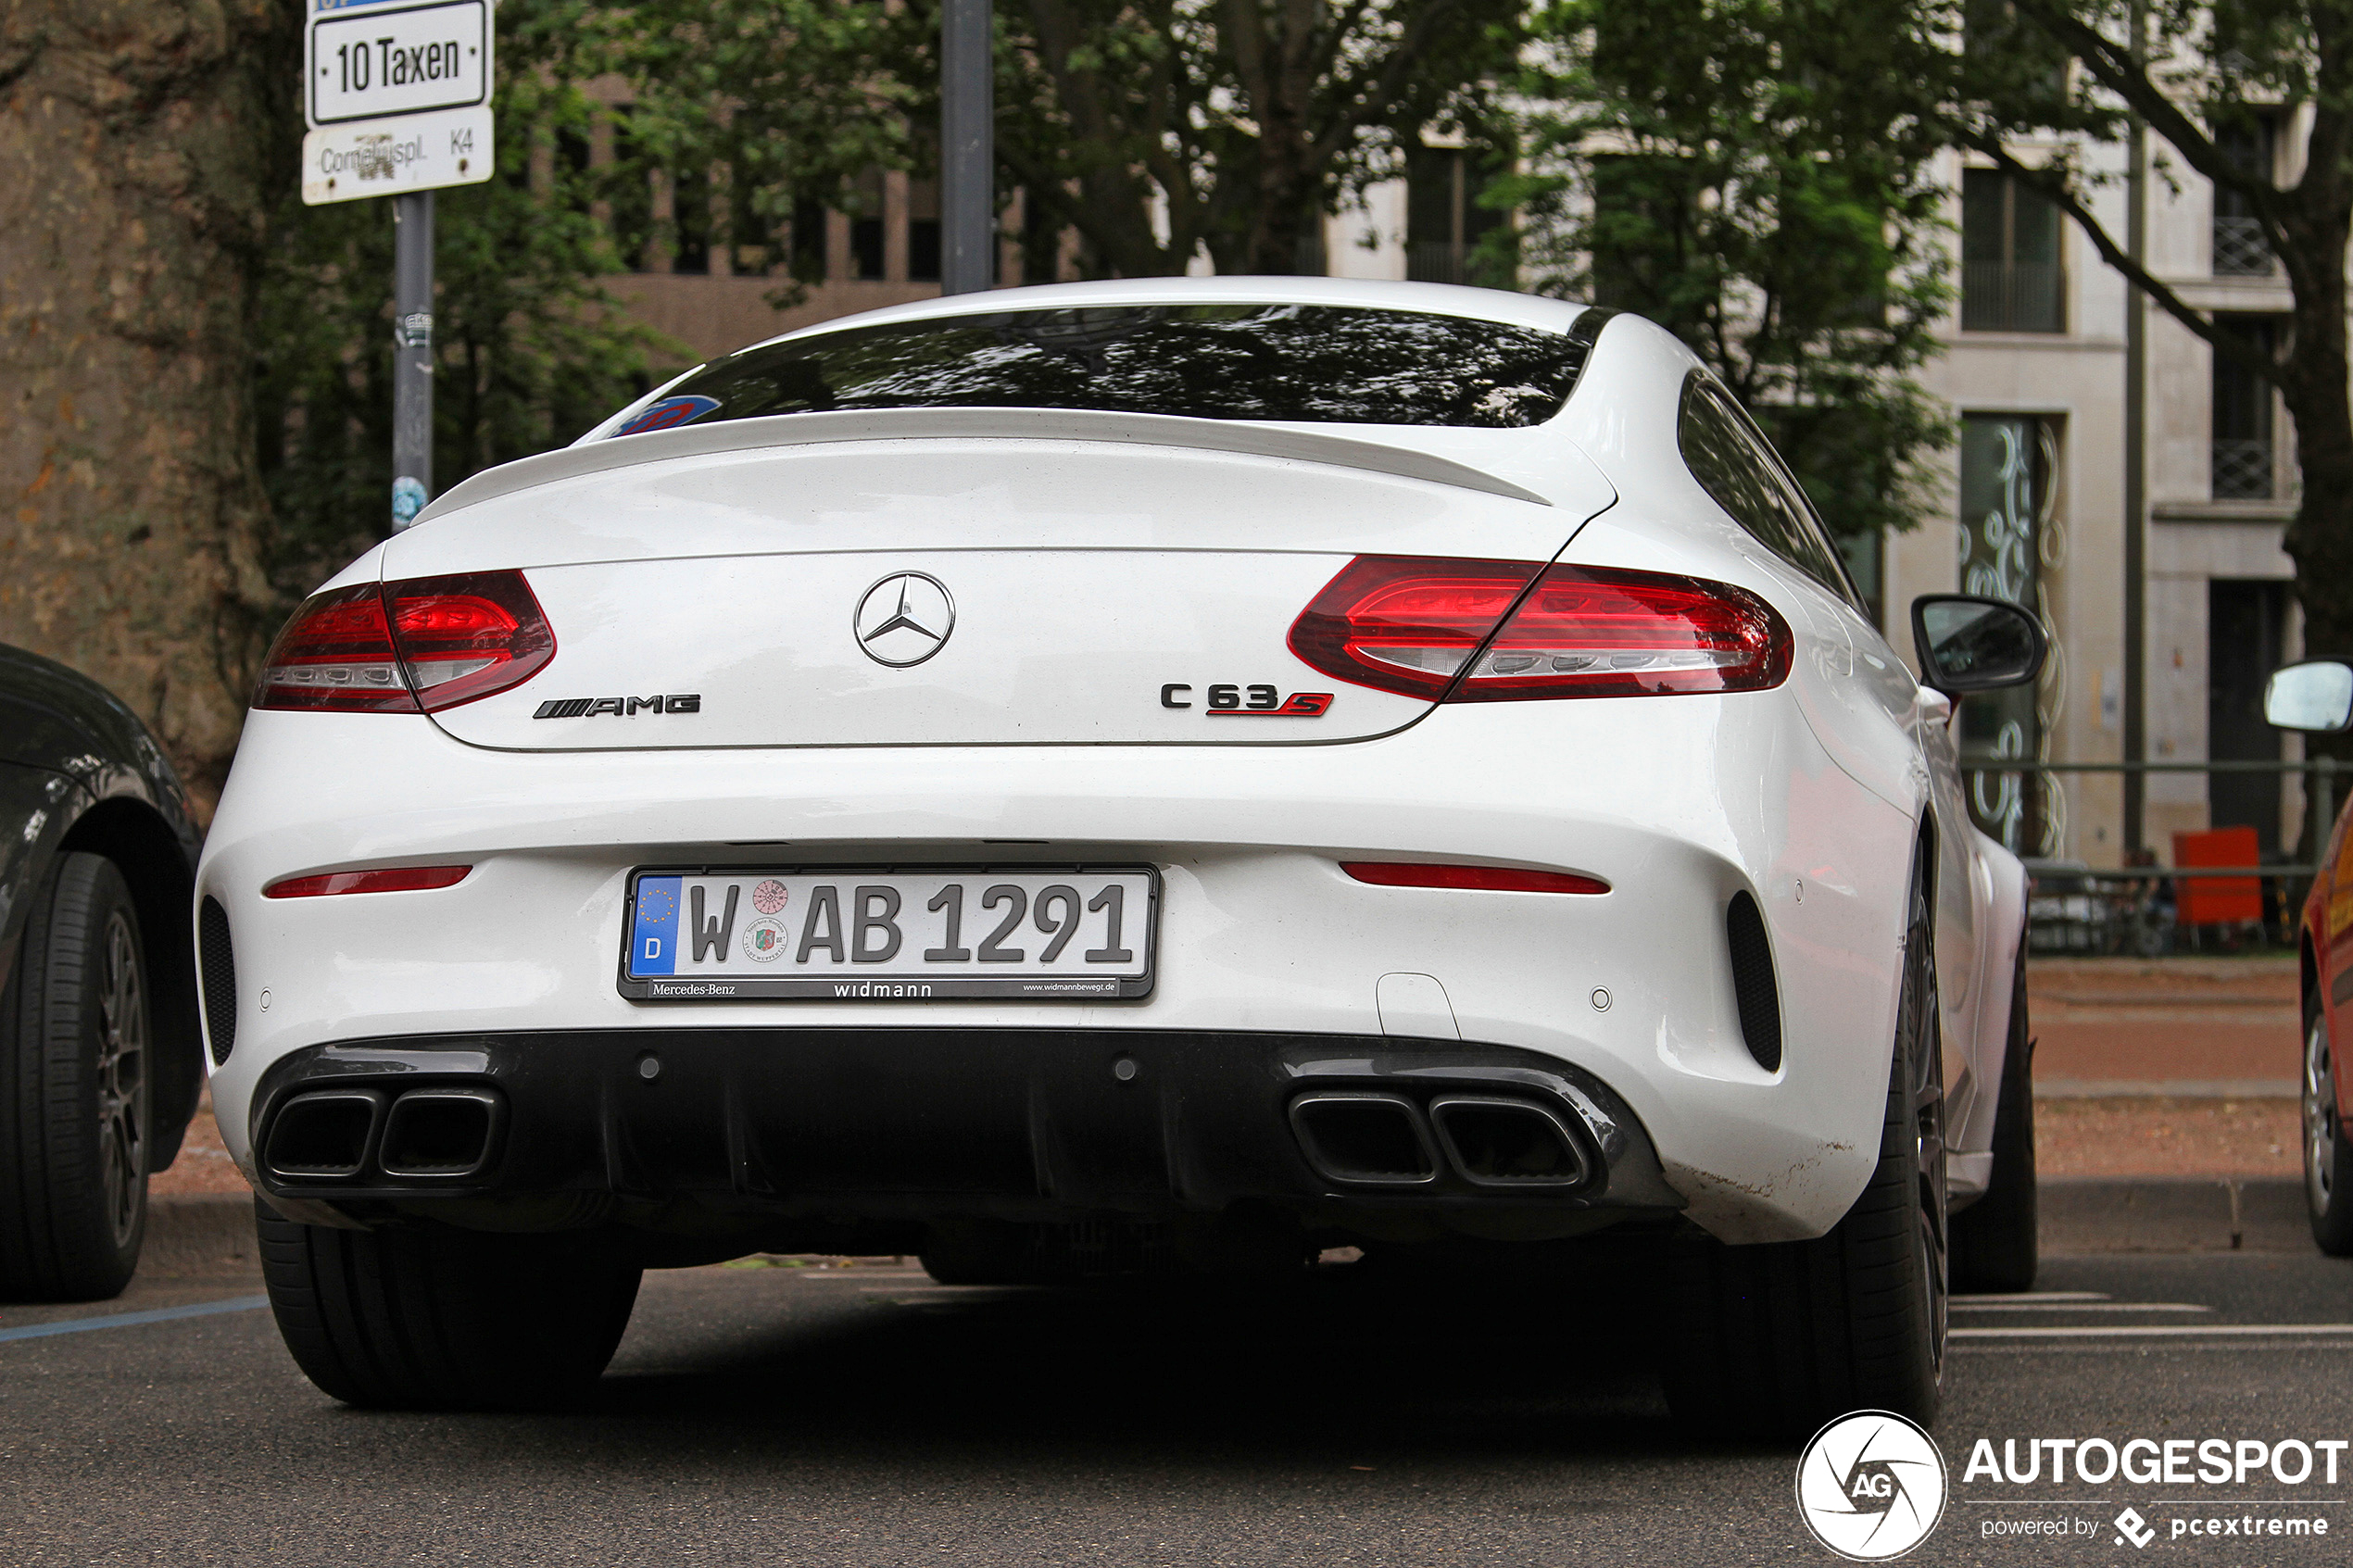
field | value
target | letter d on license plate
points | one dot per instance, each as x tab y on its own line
834	934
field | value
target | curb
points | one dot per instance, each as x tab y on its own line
199	1234
2100	1214
2167	1088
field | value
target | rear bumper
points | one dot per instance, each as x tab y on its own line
777	1136
1678	803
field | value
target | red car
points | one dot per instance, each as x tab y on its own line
2318	696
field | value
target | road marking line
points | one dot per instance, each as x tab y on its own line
2146	1331
2079	1307
2032	1295
132	1319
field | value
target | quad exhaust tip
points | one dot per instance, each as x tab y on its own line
1497	1141
1365	1139
1370	1138
433	1134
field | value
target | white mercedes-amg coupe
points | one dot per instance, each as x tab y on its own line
809	814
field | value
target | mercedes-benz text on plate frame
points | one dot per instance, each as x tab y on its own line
846	934
904	619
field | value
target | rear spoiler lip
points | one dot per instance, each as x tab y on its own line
1235	436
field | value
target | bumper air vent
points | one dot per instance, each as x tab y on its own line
220	966
1753	988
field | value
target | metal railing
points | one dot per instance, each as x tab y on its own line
2241	250
2242	469
1438	261
2083	908
2013	296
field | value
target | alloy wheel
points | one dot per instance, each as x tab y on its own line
1923	1043
2320	1115
122	1078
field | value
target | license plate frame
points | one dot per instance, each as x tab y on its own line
850	984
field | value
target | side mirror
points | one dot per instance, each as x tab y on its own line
1968	643
2316	696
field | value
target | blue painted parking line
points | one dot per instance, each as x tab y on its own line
132	1319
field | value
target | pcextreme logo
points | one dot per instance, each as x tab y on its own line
1870	1486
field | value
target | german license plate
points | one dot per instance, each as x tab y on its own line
846	934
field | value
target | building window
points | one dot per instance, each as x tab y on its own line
923	231
2012	279
809	240
629	194
2240	248
2246	640
690	220
866	229
2010	538
2242	444
1444	220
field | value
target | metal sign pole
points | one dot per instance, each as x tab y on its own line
396	94
412	357
967	145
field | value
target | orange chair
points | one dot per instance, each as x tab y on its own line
2217	900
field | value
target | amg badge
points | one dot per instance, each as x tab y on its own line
619	707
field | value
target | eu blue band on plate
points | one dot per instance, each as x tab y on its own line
653	946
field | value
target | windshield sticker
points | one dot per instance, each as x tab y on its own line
669	414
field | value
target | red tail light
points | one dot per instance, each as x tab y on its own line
446	641
1402	624
1413	626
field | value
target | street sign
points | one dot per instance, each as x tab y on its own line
397	96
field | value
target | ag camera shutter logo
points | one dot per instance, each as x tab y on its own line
1870	1486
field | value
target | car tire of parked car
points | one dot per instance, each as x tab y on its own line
1774	1339
2328	1154
1995	1245
424	1317
75	1035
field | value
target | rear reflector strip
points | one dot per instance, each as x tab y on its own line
1490	879
394	879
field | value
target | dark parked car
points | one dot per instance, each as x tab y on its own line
99	1069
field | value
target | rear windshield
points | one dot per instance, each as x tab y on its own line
1309	363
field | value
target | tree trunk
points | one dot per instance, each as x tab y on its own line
2314	386
140	145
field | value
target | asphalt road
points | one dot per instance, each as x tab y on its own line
782	1415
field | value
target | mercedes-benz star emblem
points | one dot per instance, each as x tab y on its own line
904	619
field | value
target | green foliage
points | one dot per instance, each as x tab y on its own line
1748	174
1245	120
791	99
529	346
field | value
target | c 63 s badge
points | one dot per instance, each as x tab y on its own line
1249	702
619	707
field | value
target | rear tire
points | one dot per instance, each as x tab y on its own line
1776	1339
2328	1154
74	1091
424	1318
1996	1242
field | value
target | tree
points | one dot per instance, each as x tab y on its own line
1742	172
2202	73
530	348
1159	131
138	164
